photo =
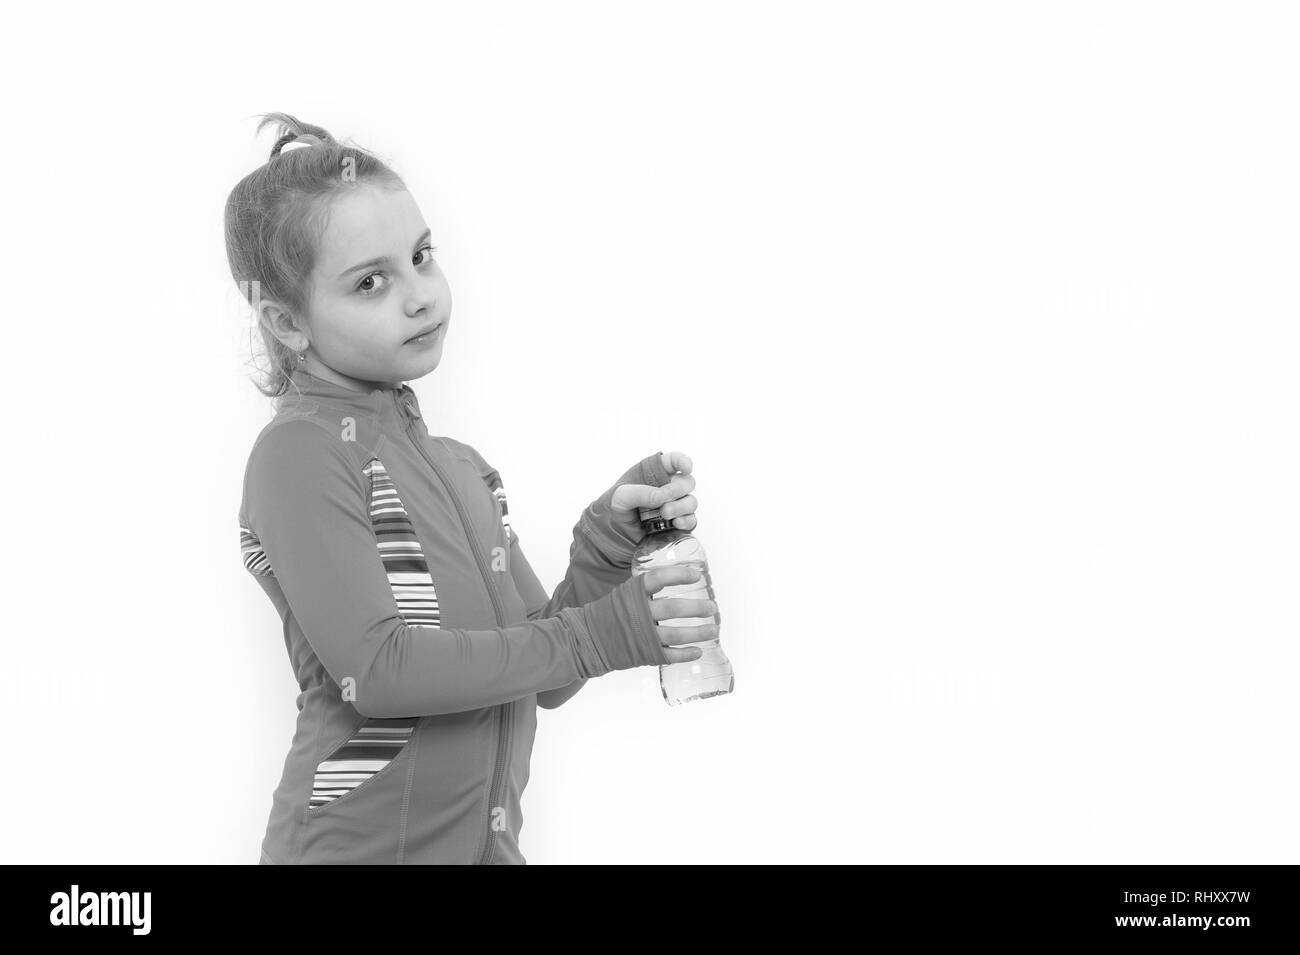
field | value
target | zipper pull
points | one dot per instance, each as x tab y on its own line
408	404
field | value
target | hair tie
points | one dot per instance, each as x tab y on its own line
295	144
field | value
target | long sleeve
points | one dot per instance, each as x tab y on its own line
600	558
539	606
307	504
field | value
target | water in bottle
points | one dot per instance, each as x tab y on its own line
666	546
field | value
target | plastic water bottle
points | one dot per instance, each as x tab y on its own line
666	546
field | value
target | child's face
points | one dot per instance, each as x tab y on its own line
363	316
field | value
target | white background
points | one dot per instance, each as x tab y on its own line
978	320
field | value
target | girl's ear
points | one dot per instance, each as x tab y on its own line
273	316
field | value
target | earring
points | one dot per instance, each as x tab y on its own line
302	356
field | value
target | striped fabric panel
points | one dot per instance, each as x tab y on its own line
254	557
369	750
400	550
378	742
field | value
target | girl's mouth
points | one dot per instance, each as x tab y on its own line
427	338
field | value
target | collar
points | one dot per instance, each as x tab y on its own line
384	402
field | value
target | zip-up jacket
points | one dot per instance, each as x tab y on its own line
420	637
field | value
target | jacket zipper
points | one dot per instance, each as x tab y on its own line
505	711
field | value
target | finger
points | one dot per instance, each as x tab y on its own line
683	608
661	577
683	654
628	496
678	487
675	461
680	507
678	636
686	483
687	523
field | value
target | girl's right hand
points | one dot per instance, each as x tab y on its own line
673	608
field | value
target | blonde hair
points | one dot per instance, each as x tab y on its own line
276	215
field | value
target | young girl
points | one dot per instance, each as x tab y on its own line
421	639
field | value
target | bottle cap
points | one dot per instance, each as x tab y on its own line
652	522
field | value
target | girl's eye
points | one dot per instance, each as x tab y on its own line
361	286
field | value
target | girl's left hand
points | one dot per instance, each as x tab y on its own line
674	500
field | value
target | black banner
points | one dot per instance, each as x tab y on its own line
1228	905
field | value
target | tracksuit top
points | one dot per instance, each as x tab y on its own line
421	639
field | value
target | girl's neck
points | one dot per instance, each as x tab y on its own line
321	370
